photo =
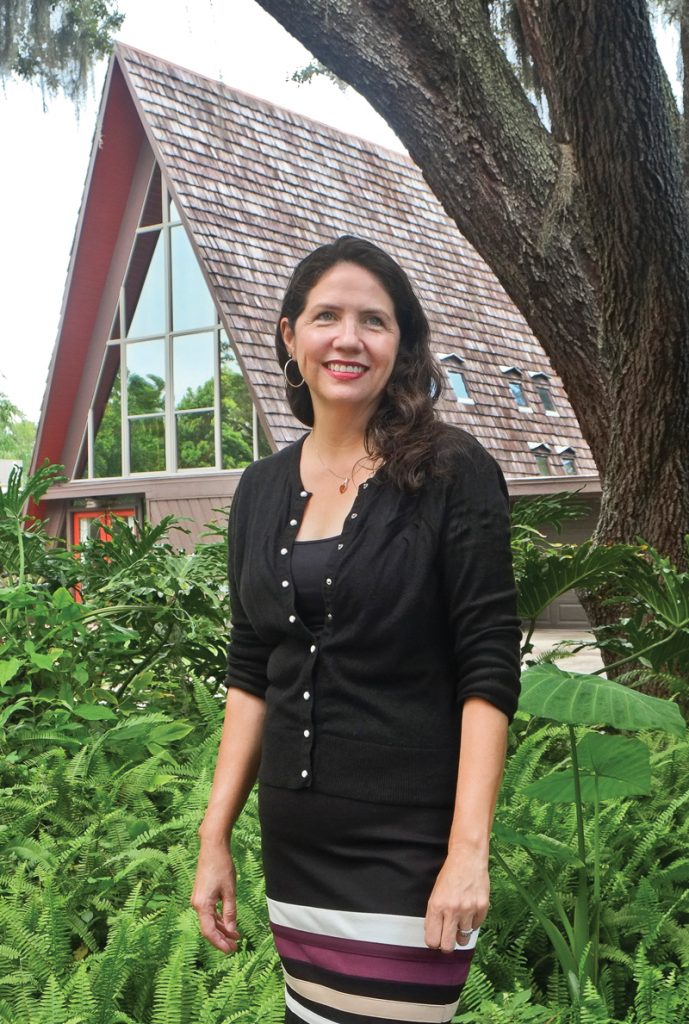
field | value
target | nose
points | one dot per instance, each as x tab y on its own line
348	334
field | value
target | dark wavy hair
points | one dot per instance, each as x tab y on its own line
404	431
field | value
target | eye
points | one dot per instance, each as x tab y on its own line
374	320
325	314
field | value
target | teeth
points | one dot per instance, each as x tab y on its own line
345	368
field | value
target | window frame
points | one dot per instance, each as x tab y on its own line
453	363
86	455
513	376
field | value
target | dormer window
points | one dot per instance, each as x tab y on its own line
568	459
547	401
541	381
541	453
513	375
454	364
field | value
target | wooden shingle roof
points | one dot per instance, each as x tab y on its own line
258	187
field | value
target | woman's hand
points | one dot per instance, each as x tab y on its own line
459	899
215	881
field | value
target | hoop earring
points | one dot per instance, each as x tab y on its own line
284	371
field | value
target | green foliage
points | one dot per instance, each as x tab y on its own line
654	632
314	69
17	434
23	541
56	42
650	636
111	710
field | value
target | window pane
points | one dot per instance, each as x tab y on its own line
146	377
192	305
153	208
193	371
147	445
570	466
237	411
107	445
518	394
195	440
543	465
458	384
547	400
174	214
145	288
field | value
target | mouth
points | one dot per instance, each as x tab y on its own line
346	369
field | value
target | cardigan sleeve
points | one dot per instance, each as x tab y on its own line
479	585
247	654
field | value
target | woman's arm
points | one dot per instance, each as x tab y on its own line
235	773
460	895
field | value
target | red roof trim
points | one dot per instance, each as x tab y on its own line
117	144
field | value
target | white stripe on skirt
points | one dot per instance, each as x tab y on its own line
390	929
379	1009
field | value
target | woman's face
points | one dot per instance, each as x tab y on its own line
345	340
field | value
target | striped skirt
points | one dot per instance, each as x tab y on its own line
347	885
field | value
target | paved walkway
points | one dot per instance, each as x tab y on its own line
588	660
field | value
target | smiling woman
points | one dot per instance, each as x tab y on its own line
402	429
373	624
345	344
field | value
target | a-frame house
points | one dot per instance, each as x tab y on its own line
199	201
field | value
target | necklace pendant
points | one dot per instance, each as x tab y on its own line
344	485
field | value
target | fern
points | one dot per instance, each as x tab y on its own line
178	979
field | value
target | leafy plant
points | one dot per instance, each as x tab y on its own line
111	710
600	767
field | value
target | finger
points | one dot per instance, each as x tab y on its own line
449	934
229	909
209	926
433	928
464	933
227	925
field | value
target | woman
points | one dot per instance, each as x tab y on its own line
373	621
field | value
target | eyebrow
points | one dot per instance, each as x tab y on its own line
365	312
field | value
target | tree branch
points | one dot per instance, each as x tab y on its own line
437	75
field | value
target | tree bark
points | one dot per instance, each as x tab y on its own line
612	95
585	227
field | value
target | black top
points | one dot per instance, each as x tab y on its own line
309	559
420	607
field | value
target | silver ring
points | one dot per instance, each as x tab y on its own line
466	931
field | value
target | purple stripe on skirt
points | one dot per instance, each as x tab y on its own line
374	959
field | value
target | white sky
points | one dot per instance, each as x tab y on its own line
45	156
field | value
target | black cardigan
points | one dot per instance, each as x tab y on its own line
420	614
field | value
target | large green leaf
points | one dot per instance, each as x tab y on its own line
661	586
95	712
577	699
9	668
545	577
169	732
10	709
620	767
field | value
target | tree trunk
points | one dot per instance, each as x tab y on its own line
586	229
612	96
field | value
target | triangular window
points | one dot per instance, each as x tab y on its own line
171	396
